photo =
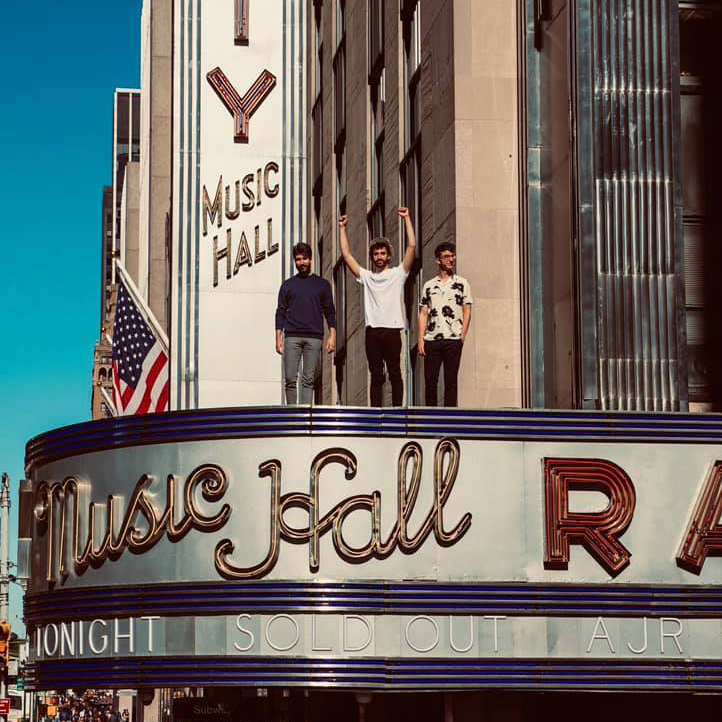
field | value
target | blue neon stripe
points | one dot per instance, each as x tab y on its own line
253	422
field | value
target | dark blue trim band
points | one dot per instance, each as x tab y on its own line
392	674
269	597
274	421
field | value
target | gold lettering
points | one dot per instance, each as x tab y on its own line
102	531
231	215
226	547
248	205
272	247
223	253
446	464
121	531
260	255
271	167
243	256
214	210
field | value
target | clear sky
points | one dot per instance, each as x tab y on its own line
59	65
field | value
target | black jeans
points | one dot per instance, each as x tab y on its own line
383	346
446	351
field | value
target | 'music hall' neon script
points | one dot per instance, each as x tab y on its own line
82	533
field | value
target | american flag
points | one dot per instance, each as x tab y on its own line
140	361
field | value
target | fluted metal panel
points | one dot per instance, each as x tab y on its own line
637	281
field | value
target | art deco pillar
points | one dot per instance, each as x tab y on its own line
628	207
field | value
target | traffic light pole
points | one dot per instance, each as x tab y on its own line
4	563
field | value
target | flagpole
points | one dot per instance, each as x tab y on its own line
109	401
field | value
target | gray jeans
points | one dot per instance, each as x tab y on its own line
296	349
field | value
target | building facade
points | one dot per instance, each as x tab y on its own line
561	145
416	104
237	558
119	236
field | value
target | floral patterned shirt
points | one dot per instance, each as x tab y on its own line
445	301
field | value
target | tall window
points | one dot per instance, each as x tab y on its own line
339	76
376	223
377	95
376	38
410	172
339	292
317	110
339	84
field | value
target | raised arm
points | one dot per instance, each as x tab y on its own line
349	260
410	253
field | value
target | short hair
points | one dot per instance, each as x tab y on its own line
445	246
380	242
302	249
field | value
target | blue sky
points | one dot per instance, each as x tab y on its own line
59	65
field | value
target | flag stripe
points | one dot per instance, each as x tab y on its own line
143	389
150	381
162	403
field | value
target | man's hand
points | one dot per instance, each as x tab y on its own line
404	212
343	221
279	344
422	347
331	340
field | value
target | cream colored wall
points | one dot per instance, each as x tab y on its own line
487	197
155	194
129	219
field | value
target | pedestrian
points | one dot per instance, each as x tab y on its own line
384	316
304	300
444	318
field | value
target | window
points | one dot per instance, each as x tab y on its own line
410	172
412	74
339	288
376	223
317	110
317	120
318	44
317	236
339	93
341	183
376	38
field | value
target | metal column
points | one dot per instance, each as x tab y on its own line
628	205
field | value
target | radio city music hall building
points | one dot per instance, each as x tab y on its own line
560	532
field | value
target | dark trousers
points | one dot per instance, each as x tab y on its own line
383	346
446	352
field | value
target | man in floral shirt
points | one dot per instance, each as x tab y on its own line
444	318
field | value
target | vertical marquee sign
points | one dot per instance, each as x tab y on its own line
238	193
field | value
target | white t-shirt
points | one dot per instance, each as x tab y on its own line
383	293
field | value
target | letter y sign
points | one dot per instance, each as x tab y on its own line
241	108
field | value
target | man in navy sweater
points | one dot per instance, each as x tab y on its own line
304	300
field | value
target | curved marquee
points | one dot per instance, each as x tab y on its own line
462	548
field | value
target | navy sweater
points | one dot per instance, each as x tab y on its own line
303	302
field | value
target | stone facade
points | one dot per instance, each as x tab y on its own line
468	175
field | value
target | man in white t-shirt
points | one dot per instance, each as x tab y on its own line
383	307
